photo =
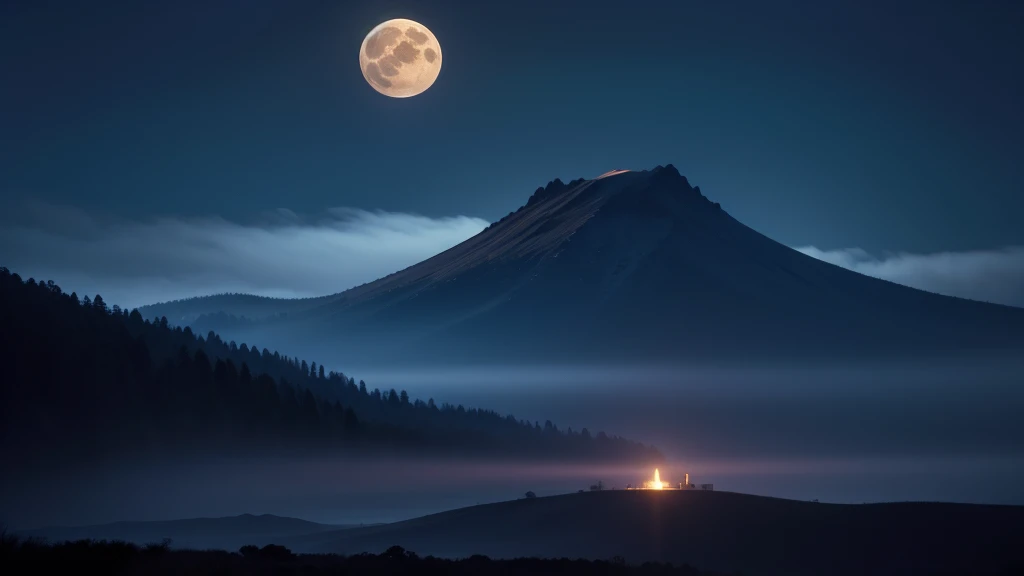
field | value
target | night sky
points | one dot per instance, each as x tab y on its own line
837	125
155	150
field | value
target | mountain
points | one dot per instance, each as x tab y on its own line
81	382
720	531
228	533
630	266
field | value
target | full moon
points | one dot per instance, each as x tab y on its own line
400	58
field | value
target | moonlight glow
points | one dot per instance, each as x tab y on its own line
400	58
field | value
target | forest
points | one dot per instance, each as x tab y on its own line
85	381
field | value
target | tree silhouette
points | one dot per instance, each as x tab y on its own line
80	381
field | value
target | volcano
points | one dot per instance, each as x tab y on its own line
632	266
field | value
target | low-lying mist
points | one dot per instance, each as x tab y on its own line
938	408
332	490
344	491
945	430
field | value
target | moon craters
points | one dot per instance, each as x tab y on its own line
379	42
400	58
416	36
405	52
389	65
373	72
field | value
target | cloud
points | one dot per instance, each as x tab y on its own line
132	263
986	275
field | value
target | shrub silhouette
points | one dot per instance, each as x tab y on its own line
102	557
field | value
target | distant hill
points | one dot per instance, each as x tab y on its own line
633	266
228	533
82	381
240	306
717	531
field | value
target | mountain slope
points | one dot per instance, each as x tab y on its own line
719	531
82	383
628	266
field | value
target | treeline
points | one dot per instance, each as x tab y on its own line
85	556
82	380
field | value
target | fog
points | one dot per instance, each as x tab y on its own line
986	275
343	491
283	254
288	255
945	430
961	407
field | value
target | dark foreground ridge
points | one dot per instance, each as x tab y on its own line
128	559
608	533
227	533
721	531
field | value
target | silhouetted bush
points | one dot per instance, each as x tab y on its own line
103	557
271	552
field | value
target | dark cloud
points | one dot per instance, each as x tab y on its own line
406	52
986	275
430	55
389	65
415	35
373	73
134	263
379	42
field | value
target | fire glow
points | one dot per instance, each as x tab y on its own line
658	484
655	484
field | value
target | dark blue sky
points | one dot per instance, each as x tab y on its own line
883	125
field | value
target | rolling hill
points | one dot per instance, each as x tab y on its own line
228	533
718	531
631	266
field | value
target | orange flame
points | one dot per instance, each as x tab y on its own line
656	484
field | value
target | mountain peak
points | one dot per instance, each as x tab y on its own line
551	189
668	169
632	266
671	174
658	188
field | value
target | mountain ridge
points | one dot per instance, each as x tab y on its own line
634	265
